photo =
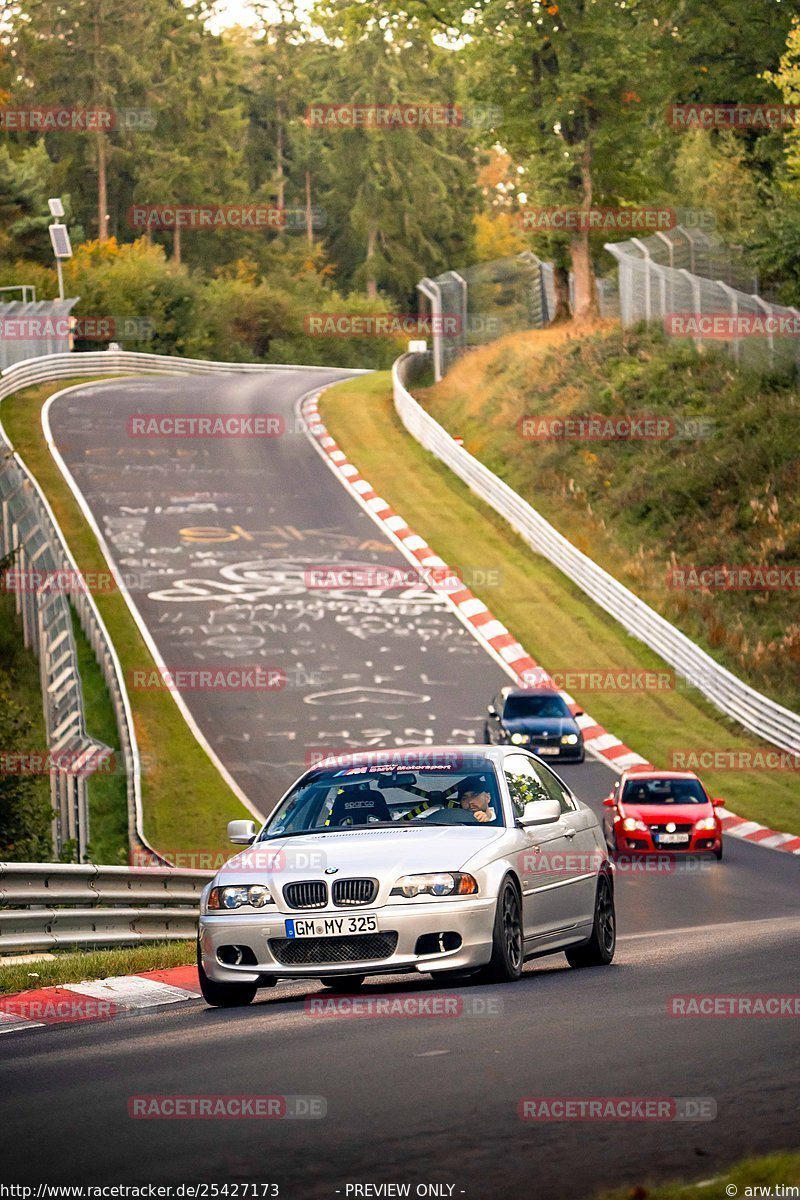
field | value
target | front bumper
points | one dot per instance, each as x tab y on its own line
471	920
565	754
562	753
705	842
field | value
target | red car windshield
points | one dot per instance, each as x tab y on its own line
664	791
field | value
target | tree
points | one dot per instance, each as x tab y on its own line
135	280
787	80
571	80
400	202
24	188
775	245
714	175
719	52
81	54
193	85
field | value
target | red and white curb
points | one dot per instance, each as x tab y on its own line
100	1000
751	831
491	633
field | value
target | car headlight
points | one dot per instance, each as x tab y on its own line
569	739
520	739
630	824
254	894
442	883
706	823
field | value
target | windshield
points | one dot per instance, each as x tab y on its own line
535	706
664	791
336	799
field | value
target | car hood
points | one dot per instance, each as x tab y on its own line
366	852
540	725
661	814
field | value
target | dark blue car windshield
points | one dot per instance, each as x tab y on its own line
535	708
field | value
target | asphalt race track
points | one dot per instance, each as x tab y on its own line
215	537
219	534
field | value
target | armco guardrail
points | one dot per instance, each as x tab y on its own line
725	690
27	532
44	906
29	528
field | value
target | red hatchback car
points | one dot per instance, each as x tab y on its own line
651	811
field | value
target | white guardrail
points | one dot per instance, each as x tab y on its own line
726	691
47	906
29	528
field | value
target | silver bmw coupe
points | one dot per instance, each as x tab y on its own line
451	861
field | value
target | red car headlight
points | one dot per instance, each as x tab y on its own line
634	824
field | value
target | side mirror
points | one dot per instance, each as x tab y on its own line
718	802
540	812
492	711
609	802
578	712
241	833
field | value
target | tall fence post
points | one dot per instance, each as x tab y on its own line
733	300
694	284
767	310
430	290
639	244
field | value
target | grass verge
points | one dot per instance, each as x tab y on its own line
751	1173
25	804
552	618
108	799
85	965
185	800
